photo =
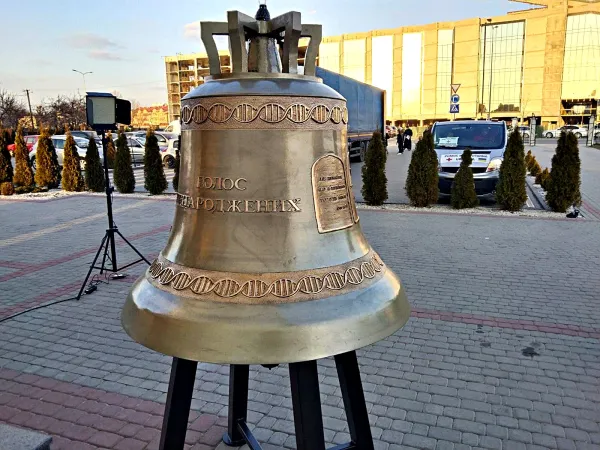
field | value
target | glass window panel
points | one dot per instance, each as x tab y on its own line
501	64
581	72
412	72
444	71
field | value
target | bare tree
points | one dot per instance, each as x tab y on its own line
11	109
62	111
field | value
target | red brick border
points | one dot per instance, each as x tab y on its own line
31	268
83	418
545	327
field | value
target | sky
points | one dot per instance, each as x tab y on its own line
123	42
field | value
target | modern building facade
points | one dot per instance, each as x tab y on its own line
543	61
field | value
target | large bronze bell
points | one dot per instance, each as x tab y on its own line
266	261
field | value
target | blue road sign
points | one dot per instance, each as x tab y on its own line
454	108
455	98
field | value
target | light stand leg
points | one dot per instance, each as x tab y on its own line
238	404
177	408
87	277
132	247
306	401
354	400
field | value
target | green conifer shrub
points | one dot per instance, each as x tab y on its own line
422	181
47	172
374	189
123	173
72	180
536	169
7	188
565	177
6	168
154	174
94	172
511	193
111	153
463	186
23	177
528	158
544	178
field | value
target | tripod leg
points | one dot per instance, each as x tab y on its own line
354	400
105	252
132	247
177	408
113	250
306	401
91	267
238	404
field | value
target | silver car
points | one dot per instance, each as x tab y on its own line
59	145
578	131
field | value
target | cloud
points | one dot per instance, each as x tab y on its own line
91	41
192	31
312	12
104	55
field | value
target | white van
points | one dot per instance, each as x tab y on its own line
174	127
487	141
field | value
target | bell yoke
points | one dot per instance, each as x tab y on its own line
266	262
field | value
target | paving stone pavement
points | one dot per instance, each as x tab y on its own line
502	350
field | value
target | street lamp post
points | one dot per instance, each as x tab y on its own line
489	114
483	69
83	74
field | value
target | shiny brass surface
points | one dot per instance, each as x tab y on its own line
266	261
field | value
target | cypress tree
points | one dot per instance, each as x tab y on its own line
463	185
47	172
535	169
544	178
72	180
23	177
528	158
177	164
565	177
123	173
94	173
422	181
7	188
374	189
6	168
154	174
511	192
111	153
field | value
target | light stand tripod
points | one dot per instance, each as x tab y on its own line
108	241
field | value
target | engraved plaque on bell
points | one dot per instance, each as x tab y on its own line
266	261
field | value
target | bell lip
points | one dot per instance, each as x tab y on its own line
366	316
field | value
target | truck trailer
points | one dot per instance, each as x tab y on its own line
366	110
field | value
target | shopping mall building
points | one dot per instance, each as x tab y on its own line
543	61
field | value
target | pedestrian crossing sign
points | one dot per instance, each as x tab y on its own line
454	108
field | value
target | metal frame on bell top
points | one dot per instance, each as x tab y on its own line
287	29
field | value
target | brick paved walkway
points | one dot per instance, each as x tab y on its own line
502	351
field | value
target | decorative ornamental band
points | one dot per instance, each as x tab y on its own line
248	114
268	288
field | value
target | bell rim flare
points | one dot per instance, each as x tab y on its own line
188	327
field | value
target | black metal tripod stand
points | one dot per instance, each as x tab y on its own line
306	402
108	241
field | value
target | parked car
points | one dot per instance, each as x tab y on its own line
486	139
169	153
87	134
59	144
525	131
575	129
29	142
597	131
136	147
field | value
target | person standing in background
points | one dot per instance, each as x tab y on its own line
408	138
400	141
